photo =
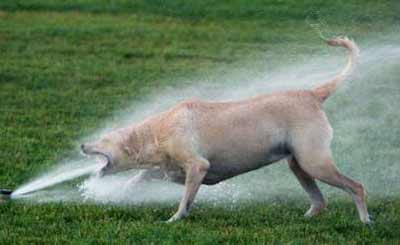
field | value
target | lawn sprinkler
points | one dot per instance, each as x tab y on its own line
5	195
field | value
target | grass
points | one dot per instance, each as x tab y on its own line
248	223
66	66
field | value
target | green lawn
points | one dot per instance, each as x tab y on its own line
68	66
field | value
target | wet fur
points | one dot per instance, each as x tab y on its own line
199	142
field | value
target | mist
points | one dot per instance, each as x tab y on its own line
363	113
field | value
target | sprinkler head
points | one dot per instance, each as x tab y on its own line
5	195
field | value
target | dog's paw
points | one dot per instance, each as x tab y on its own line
310	213
177	216
171	220
314	210
369	221
174	218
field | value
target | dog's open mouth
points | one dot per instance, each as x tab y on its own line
106	167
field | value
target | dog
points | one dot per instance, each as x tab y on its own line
199	142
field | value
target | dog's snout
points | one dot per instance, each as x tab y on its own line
83	148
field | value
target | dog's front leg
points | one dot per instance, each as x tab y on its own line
196	170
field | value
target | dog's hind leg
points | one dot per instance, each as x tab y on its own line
318	163
308	183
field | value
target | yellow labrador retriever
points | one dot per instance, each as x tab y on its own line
199	142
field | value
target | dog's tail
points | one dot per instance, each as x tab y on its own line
324	91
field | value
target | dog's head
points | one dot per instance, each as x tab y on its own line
109	148
124	150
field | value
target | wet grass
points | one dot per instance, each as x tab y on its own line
66	66
246	223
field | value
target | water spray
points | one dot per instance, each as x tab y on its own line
65	172
380	61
